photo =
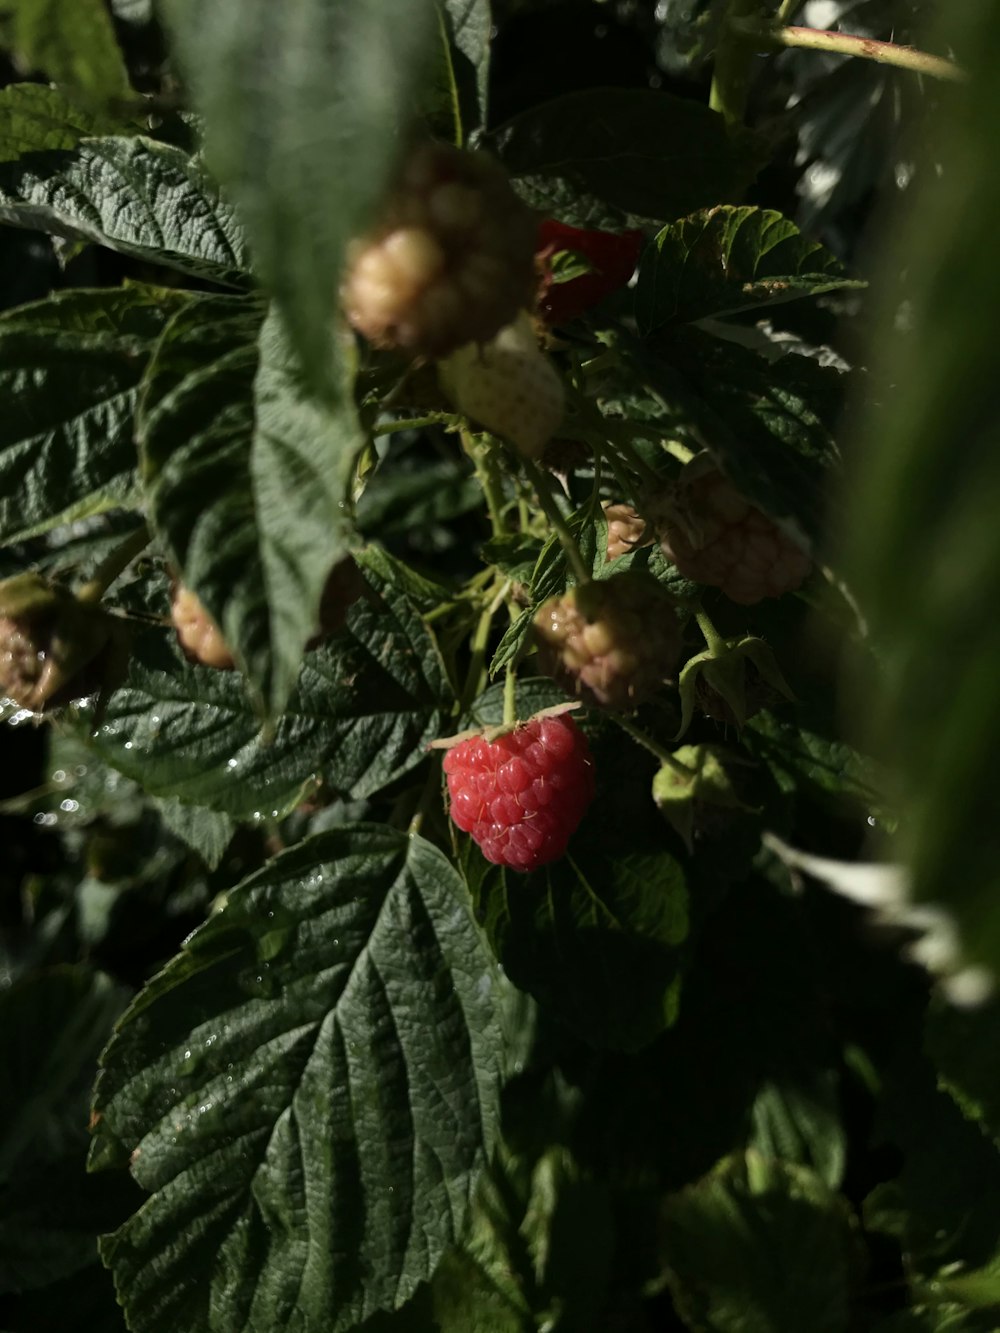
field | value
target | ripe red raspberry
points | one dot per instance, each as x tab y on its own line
715	536
451	260
612	643
626	530
612	258
509	385
197	633
522	796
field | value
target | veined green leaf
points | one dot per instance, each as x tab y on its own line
723	260
368	702
308	1091
70	369
35	118
145	199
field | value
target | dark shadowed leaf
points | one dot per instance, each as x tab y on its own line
70	369
303	106
760	1246
645	154
724	260
308	1091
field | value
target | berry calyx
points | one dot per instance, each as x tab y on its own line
610	259
509	386
522	795
197	633
612	643
451	260
717	537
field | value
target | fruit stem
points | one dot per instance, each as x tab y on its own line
714	641
849	44
786	9
664	756
108	570
414	423
489	479
480	639
510	696
559	524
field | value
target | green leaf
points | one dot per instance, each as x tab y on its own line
300	462
760	1247
921	537
53	1025
308	148
72	41
142	198
308	1091
69	371
643	154
468	24
768	425
801	1124
724	260
805	757
246	479
35	118
962	1044
368	702
205	831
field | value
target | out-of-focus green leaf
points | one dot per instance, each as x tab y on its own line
724	260
72	41
304	106
921	537
760	1246
308	1091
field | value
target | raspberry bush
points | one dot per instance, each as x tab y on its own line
498	667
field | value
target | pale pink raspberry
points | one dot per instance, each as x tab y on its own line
715	536
626	530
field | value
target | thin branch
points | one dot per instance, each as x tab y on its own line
849	44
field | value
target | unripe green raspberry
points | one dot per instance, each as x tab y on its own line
612	643
451	260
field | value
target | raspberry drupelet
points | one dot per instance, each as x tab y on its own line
522	796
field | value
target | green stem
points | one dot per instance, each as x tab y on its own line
786	10
489	479
414	423
477	664
849	44
108	570
510	696
654	748
734	57
559	524
714	641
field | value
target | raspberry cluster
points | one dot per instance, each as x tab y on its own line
451	261
612	642
715	536
522	796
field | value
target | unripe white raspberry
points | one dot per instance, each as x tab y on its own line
197	632
508	385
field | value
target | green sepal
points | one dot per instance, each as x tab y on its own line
698	776
724	671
